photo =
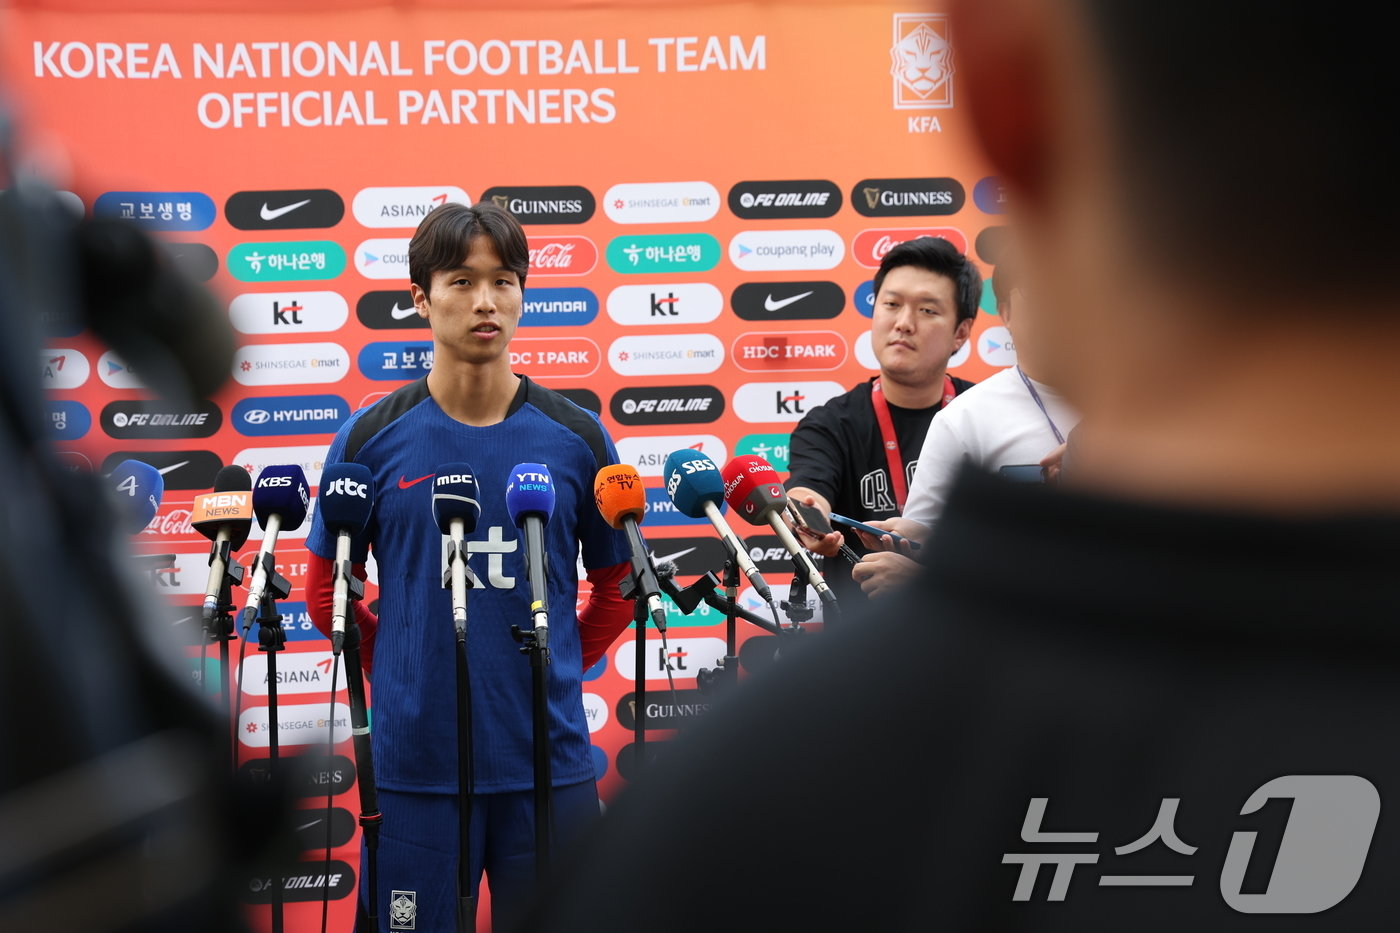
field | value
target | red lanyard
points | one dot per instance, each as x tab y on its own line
891	440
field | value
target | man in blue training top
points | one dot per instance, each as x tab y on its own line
467	267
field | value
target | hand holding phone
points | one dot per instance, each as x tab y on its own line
874	532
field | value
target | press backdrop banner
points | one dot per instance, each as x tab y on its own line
707	190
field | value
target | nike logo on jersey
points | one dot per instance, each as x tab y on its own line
405	483
779	304
272	213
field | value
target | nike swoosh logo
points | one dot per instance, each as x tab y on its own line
307	825
661	560
173	466
405	483
400	314
271	213
772	305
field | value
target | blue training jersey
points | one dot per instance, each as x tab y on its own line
403	439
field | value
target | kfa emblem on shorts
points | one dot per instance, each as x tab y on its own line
403	910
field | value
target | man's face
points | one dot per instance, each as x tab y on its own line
915	325
474	308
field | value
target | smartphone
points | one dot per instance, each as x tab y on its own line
871	530
809	517
1024	473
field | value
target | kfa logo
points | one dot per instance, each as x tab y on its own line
789	404
289	314
921	62
495	547
403	910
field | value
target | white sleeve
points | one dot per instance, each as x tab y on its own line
939	461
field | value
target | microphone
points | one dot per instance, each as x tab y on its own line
280	500
752	488
694	484
530	502
140	488
347	497
622	499
224	516
456	509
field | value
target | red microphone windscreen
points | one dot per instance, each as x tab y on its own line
619	493
752	488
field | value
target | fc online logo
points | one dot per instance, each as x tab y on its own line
921	62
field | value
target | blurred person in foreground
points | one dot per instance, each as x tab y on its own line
1161	695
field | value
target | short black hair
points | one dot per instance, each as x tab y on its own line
445	235
940	257
1239	125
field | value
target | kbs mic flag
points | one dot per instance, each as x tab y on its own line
280	501
139	488
347	498
224	516
752	488
622	500
694	483
456	498
530	502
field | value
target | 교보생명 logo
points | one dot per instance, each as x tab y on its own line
389	310
308	208
158	210
760	200
543	204
68	421
921	62
396	360
907	197
402	206
787	301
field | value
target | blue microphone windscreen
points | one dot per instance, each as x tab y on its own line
140	488
530	492
692	479
347	497
455	495
281	490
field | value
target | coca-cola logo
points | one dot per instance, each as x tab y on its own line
562	255
870	246
174	523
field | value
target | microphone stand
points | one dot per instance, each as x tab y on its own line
370	817
530	644
272	639
223	629
466	901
